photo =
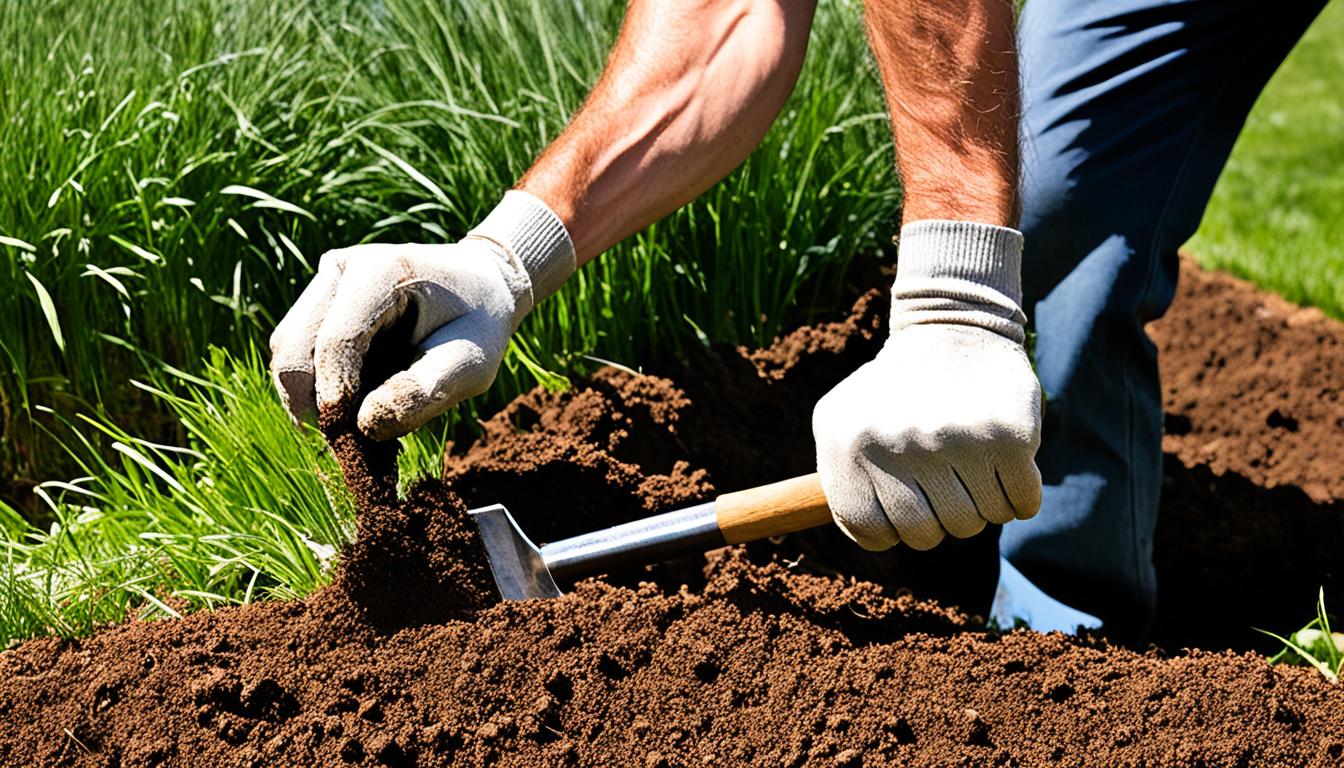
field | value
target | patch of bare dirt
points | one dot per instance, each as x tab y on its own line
749	656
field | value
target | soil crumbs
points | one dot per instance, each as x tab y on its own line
743	657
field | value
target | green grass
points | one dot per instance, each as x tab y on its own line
247	507
171	173
1315	645
164	196
1275	215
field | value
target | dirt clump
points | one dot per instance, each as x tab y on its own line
414	561
750	656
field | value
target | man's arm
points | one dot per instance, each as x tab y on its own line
950	72
688	92
939	433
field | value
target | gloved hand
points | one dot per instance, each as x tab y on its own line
939	432
468	297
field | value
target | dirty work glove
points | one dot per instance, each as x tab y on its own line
939	432
468	298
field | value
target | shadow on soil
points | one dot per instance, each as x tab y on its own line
1233	557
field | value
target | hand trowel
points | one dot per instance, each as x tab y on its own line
523	570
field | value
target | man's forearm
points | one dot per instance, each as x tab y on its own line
950	72
689	90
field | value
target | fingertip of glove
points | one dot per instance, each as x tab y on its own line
296	390
870	538
1029	512
924	541
383	416
1023	489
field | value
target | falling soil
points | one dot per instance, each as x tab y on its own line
760	656
414	561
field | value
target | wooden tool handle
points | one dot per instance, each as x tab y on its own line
772	510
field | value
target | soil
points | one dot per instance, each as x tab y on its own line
747	656
1253	502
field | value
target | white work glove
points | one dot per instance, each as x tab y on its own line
938	434
469	297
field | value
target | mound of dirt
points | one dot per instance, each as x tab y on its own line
1253	503
626	445
751	656
761	667
1254	385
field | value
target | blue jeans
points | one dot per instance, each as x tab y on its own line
1131	108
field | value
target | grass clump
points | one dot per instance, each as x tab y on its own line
247	507
1315	645
163	171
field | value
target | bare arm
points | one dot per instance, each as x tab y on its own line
938	434
689	90
950	72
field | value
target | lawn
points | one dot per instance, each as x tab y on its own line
1275	214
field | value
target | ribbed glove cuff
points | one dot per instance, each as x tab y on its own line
529	230
959	272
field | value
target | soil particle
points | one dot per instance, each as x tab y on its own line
740	658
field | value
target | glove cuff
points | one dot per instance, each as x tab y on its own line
531	232
959	272
982	254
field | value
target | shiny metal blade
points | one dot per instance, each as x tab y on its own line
516	563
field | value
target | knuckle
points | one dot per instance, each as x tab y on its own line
482	378
334	260
867	443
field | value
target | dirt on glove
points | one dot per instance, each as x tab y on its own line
749	656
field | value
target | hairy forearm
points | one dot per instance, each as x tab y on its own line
950	72
688	92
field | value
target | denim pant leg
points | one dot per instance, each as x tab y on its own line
1130	110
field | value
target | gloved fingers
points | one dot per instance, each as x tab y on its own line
294	339
367	300
985	491
848	486
951	501
460	361
1021	482
854	505
907	507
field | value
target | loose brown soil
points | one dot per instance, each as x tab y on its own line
764	656
1253	504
